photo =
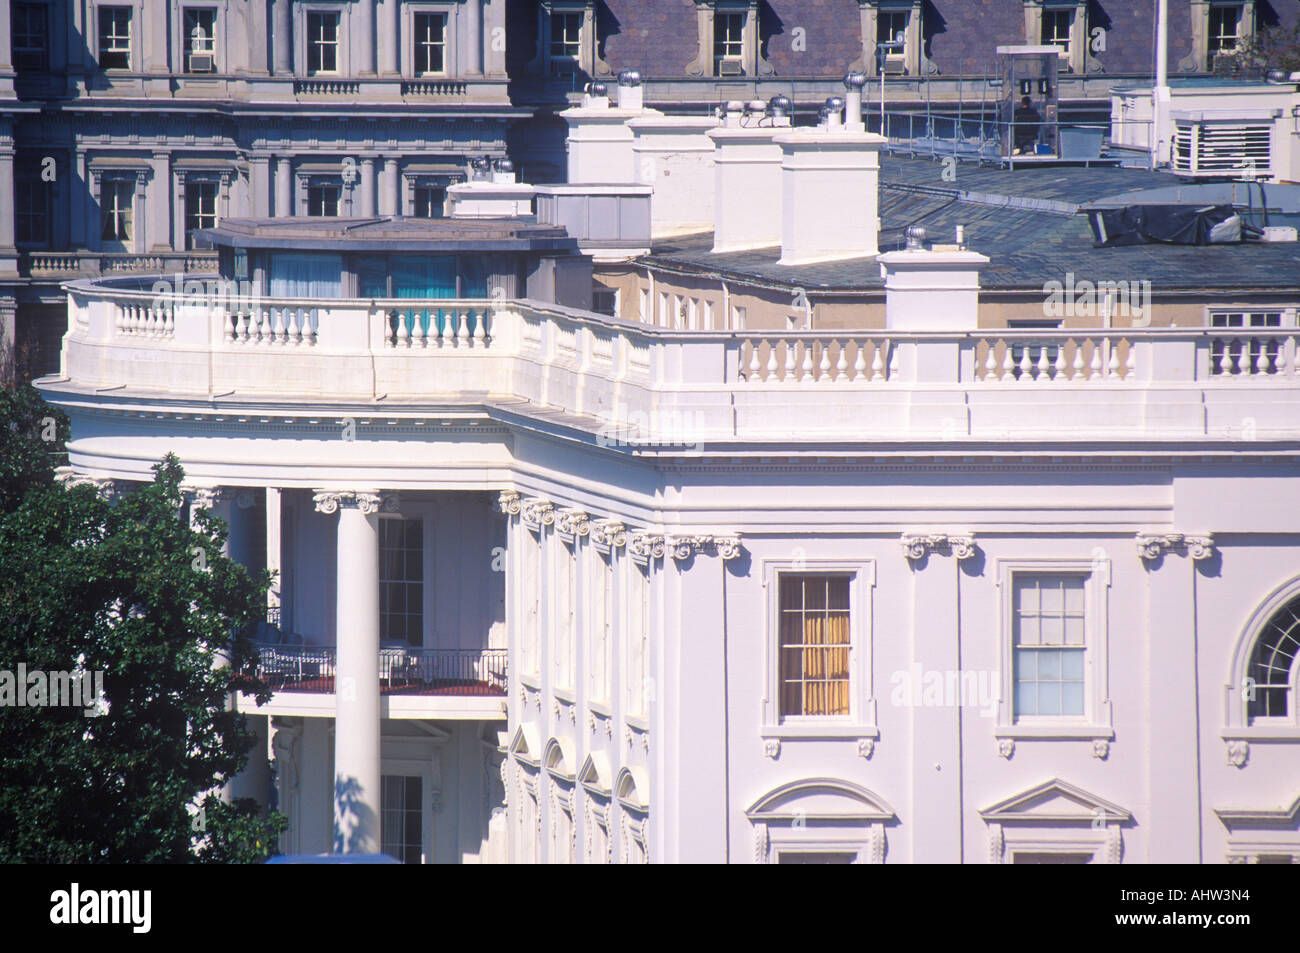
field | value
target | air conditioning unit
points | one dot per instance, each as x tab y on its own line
730	66
1223	148
202	63
895	64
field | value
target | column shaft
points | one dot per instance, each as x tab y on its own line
283	188
356	725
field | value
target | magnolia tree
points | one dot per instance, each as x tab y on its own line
123	622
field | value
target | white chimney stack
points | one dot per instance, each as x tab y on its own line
674	154
599	143
630	94
829	201
931	290
747	177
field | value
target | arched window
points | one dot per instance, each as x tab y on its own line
1272	662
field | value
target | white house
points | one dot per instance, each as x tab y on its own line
557	586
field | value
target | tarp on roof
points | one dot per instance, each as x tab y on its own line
1166	224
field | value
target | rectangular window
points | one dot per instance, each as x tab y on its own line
116	203
31	36
401	580
31	211
643	306
1244	354
401	806
429	201
814	645
430	44
728	44
891	26
200	208
200	40
323	200
566	43
1049	640
605	301
1224	30
322	43
114	37
1056	28
532	596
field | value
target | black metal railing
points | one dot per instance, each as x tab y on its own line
402	670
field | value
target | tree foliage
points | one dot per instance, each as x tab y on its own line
124	587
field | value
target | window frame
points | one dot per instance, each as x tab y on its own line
1238	723
114	183
197	217
572	61
1096	722
419	44
423	768
424	513
601	611
31	185
567	632
110	11
43	51
211	48
636	641
860	722
310	43
1213	40
338	199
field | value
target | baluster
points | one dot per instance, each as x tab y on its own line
462	329
893	360
1026	364
480	328
878	362
1043	364
753	360
119	318
771	361
991	362
824	365
1094	366
860	361
1261	359
842	363
310	318
229	325
1224	353
169	322
1060	362
419	336
789	360
297	321
1078	359
1008	361
403	335
806	366
241	332
1241	359
1112	365
1130	362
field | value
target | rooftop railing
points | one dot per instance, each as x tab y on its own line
658	385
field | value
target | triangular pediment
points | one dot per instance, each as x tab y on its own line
1057	801
820	799
1284	817
595	774
526	745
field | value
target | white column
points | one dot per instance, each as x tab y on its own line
283	188
368	187
365	37
274	557
281	37
356	720
473	63
390	198
389	29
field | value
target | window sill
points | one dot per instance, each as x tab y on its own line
534	681
602	708
830	730
1285	733
637	724
1055	732
566	695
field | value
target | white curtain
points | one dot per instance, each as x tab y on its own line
298	275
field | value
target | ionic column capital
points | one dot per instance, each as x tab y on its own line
369	502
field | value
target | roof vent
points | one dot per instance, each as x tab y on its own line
915	237
778	106
629	77
855	79
598	88
630	94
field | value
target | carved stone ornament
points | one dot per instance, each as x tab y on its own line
510	502
1154	545
369	503
772	748
607	535
919	545
866	747
1100	749
644	547
1238	753
537	513
1006	748
572	523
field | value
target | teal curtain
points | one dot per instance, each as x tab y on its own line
424	276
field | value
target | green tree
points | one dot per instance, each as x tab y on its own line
126	588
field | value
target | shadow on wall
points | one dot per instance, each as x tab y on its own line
356	827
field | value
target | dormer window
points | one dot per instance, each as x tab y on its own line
200	40
729	42
566	43
892	38
1224	34
1220	30
1062	24
115	38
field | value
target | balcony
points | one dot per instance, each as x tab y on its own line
414	682
656	388
62	265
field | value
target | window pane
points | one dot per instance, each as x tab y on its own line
814	676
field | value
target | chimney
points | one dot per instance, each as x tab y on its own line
490	193
630	94
599	143
829	201
674	154
747	176
854	82
931	289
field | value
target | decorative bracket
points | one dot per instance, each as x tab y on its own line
1152	546
917	546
